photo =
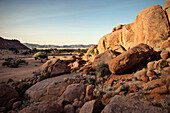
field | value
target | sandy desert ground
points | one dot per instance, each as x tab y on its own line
23	71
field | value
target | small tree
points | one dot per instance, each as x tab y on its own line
40	55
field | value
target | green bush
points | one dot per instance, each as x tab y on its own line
102	70
40	55
26	53
22	88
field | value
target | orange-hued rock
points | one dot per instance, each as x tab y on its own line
149	24
168	83
165	43
43	107
144	78
89	92
93	106
130	58
153	84
147	27
121	104
164	54
167	8
160	90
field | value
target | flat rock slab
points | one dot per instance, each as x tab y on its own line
121	104
48	89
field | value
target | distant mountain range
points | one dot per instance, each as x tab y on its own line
57	46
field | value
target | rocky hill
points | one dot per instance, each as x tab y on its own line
149	25
6	44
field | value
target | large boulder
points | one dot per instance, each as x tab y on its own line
121	104
48	89
72	91
130	58
43	107
55	66
93	106
149	24
8	96
167	8
104	57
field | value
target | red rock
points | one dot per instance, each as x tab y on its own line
130	58
153	84
93	106
140	73
164	54
168	83
104	57
165	73
150	73
133	88
121	104
144	78
8	96
69	108
89	92
160	90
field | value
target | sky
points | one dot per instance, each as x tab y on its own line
63	22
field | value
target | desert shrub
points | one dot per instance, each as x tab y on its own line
90	80
164	35
8	59
64	57
109	94
40	55
66	79
91	51
25	53
6	63
102	69
14	65
20	61
22	88
43	77
48	74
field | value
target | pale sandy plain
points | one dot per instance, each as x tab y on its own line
23	71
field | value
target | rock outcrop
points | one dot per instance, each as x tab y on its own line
147	27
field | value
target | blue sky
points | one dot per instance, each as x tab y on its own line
66	21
